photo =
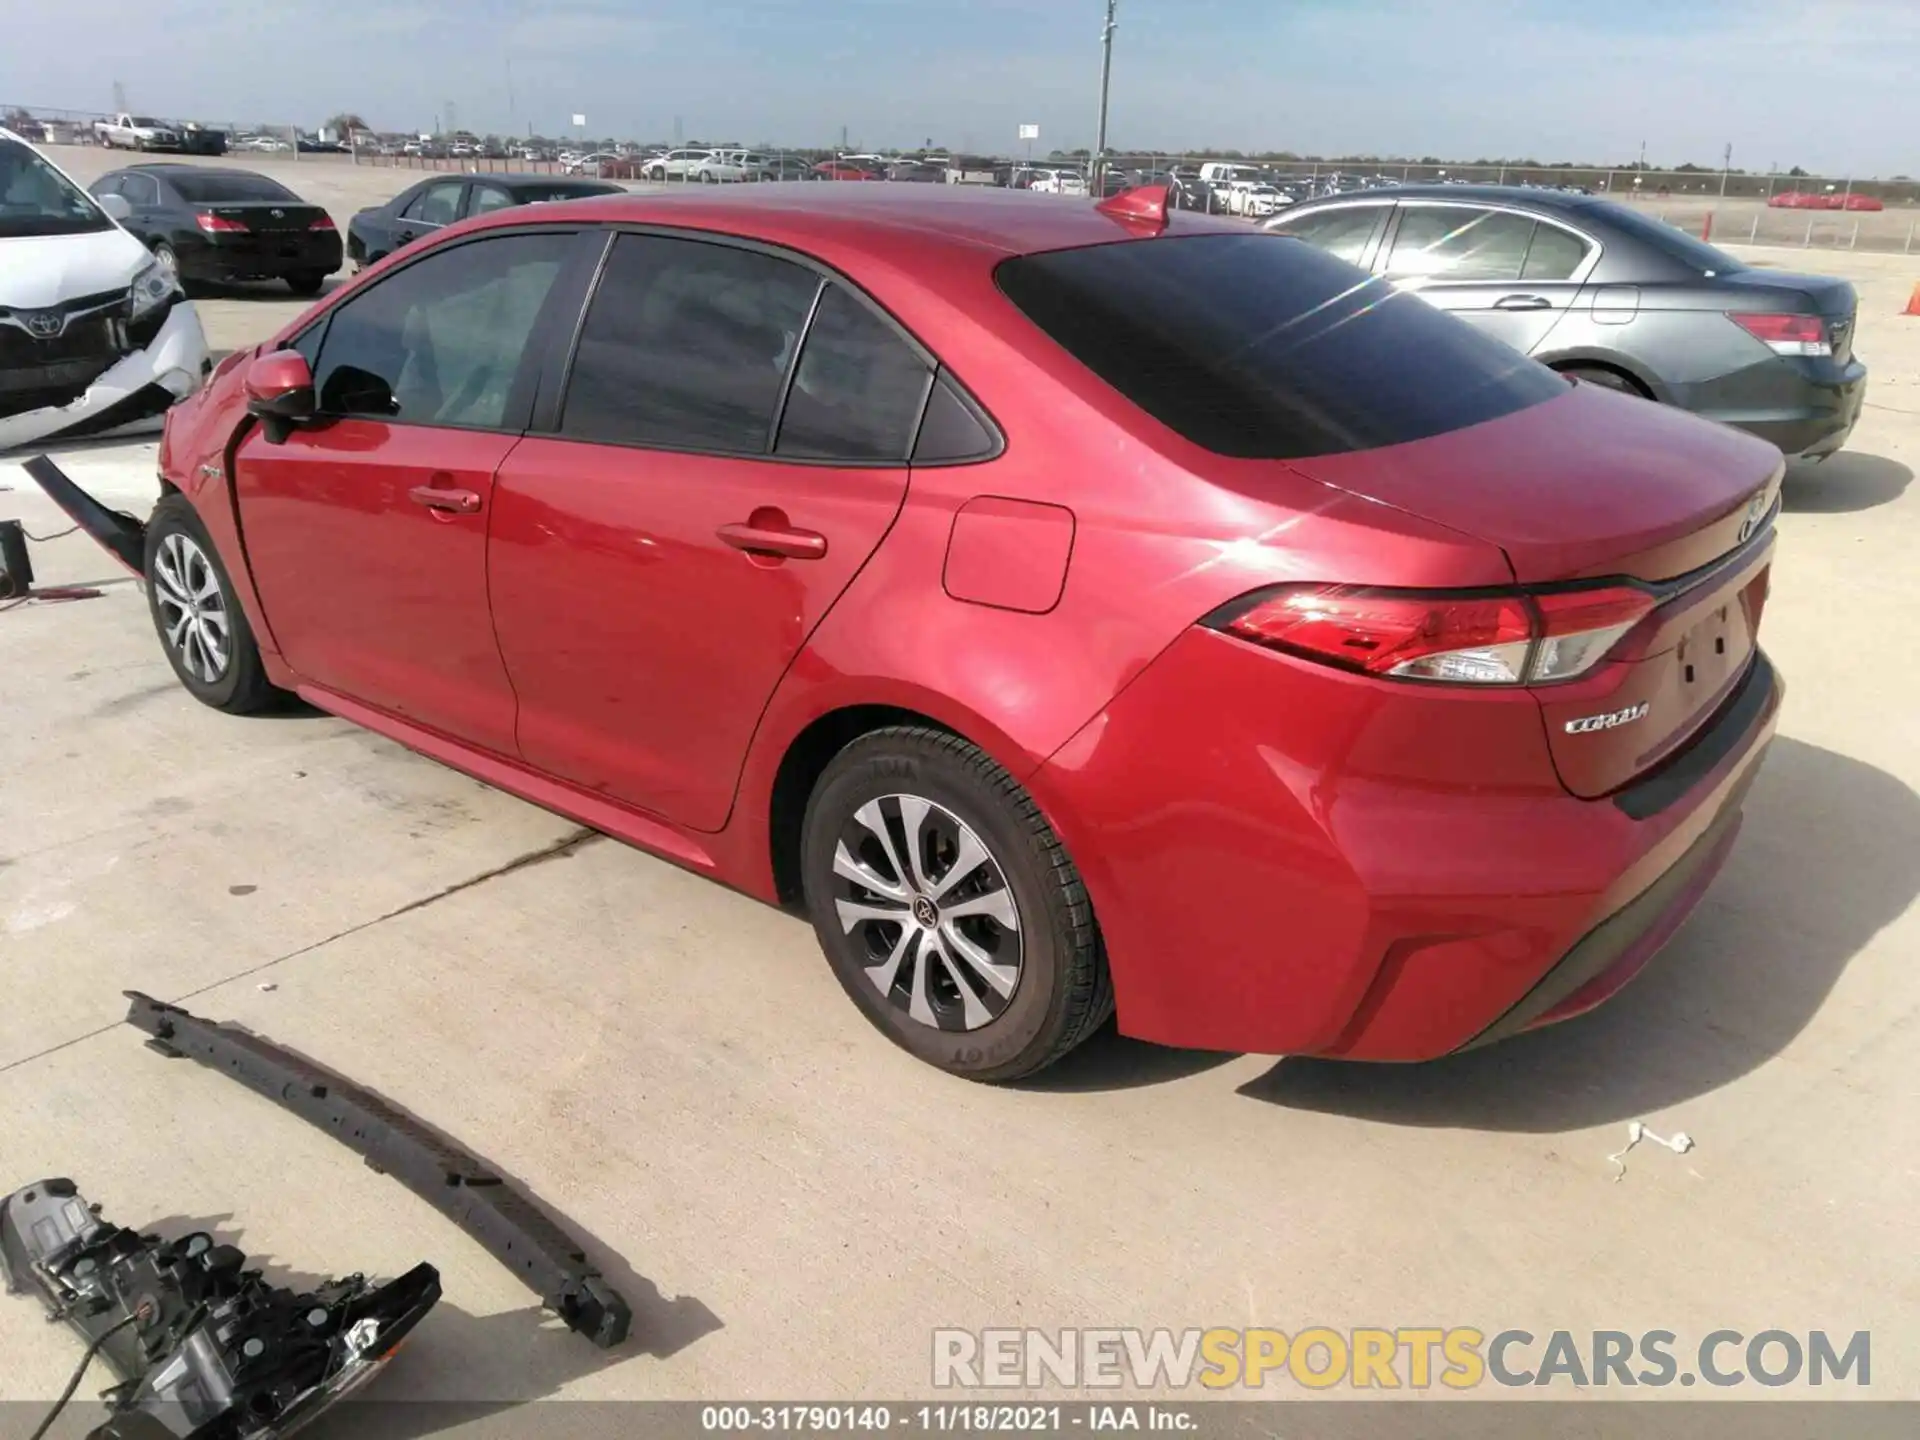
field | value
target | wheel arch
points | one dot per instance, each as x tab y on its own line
1647	383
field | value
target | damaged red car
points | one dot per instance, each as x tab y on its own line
1068	606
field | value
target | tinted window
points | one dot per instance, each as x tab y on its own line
483	198
859	389
437	204
1694	254
1342	231
1260	347
441	342
1458	242
36	199
212	187
140	190
1555	255
686	345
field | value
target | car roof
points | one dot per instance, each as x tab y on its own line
1486	194
874	218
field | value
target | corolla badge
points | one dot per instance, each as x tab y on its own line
1612	720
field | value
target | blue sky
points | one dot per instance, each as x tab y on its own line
1826	84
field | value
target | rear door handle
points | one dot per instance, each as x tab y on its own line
457	502
1523	302
764	539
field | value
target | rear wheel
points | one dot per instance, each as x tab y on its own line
200	623
169	261
948	908
307	282
1605	380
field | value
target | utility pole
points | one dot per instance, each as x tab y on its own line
1643	154
1726	166
512	116
1099	162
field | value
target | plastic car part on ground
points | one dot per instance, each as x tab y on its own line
462	1187
201	1345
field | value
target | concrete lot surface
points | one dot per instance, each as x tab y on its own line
793	1204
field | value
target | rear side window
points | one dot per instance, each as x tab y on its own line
859	390
686	346
213	187
1555	255
1258	347
438	204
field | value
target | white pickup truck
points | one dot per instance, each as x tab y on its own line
136	132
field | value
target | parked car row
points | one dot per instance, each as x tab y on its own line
1311	673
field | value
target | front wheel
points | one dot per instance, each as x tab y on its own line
948	908
199	620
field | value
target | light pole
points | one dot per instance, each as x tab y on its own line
1099	164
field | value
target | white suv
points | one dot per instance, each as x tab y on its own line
676	164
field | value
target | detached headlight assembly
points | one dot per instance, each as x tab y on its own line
152	288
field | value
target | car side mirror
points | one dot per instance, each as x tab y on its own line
116	206
279	387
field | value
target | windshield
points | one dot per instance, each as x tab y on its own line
36	199
216	187
1264	347
1707	259
146	120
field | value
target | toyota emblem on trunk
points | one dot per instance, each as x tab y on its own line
278	214
44	324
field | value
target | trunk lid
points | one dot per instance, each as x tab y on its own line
267	217
1778	292
1598	485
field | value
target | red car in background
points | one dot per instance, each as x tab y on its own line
845	170
1804	200
1066	605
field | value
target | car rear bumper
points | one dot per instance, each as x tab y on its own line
137	386
1285	885
264	256
1808	410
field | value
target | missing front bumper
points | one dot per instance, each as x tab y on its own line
119	534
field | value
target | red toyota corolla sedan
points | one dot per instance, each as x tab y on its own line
1069	606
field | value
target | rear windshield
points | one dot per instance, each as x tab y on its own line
1669	240
213	188
1263	347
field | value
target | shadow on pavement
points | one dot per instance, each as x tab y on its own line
1823	864
1849	481
1111	1061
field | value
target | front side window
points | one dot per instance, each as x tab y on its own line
1342	232
141	191
442	341
36	199
686	346
859	390
438	204
1458	242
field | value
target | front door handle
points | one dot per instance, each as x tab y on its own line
1523	302
456	502
766	534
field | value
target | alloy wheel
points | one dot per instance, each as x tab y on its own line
931	905
193	611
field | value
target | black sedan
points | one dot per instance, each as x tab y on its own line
1613	296
214	224
440	200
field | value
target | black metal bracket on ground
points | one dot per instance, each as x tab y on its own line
121	536
462	1187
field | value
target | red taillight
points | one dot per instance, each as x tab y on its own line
325	222
1505	638
1787	334
219	225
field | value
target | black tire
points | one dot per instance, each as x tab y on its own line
307	282
164	253
1605	380
1062	992
238	684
